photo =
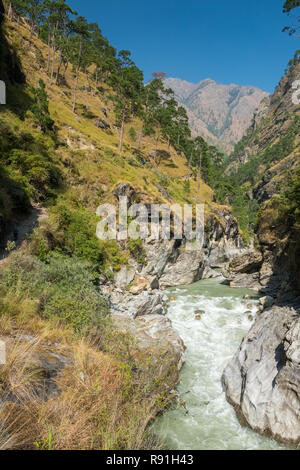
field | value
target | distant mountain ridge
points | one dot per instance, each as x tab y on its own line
219	113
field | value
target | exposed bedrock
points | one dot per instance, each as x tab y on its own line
262	381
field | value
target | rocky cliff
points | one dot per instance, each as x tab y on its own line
273	120
271	150
137	302
219	113
262	382
168	263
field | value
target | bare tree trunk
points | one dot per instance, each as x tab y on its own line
75	91
122	132
199	174
32	29
96	83
66	65
77	77
49	50
88	78
10	11
139	142
52	68
53	55
58	70
156	141
190	161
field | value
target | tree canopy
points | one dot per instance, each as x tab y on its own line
288	6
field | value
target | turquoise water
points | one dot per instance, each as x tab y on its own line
207	421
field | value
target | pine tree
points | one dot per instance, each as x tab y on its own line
40	109
127	83
80	36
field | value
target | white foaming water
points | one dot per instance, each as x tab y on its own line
207	421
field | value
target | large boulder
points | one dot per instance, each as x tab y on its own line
247	262
128	304
154	334
125	189
126	275
244	270
159	253
262	381
102	124
188	268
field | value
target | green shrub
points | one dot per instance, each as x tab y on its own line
78	235
187	187
136	249
132	134
63	288
40	108
289	208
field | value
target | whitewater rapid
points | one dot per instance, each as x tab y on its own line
207	421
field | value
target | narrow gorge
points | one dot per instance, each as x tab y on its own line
113	342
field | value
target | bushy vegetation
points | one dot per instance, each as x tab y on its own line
109	390
136	250
290	201
40	108
235	189
60	288
28	170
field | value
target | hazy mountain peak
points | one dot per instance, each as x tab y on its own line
220	113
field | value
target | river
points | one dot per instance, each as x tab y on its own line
207	421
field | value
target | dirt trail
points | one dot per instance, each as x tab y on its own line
25	227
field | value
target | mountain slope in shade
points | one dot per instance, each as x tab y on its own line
219	113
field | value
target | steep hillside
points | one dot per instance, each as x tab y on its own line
269	158
86	144
219	113
262	380
267	162
83	318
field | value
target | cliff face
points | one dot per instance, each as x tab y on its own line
262	382
273	120
271	151
219	113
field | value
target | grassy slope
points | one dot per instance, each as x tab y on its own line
95	152
110	390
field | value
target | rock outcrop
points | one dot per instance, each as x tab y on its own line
172	262
262	382
102	124
155	334
143	316
243	270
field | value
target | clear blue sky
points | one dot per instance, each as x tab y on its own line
230	41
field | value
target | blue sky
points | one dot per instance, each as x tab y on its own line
230	41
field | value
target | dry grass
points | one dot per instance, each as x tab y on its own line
99	402
103	164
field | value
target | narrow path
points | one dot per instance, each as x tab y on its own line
25	227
